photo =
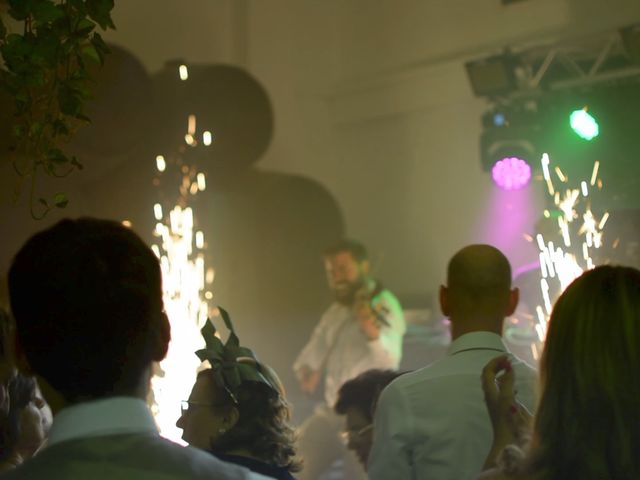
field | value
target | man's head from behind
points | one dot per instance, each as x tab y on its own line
86	295
347	267
478	288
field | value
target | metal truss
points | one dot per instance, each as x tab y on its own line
602	58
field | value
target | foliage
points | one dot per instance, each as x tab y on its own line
46	72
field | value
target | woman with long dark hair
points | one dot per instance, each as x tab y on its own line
587	424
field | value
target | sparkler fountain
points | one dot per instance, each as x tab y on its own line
185	281
564	257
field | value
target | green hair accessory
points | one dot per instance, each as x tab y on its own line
228	372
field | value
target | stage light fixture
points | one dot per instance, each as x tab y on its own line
493	76
497	143
584	124
511	173
499	119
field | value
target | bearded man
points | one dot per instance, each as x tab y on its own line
361	329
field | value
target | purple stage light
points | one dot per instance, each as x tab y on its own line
511	173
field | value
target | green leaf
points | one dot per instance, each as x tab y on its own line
55	155
83	117
60	200
60	128
90	52
100	46
22	101
20	9
46	48
47	12
69	100
15	46
76	163
36	128
79	6
84	28
34	76
100	12
18	131
99	43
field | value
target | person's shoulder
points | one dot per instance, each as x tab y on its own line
494	474
499	474
125	457
410	381
199	464
334	309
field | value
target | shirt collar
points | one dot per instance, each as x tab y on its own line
109	416
477	341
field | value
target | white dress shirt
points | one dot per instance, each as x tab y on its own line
128	421
338	344
433	423
109	416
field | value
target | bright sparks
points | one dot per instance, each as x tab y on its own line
561	175
183	71
585	190
179	246
183	284
580	233
161	164
191	125
157	211
207	138
201	182
594	173
545	172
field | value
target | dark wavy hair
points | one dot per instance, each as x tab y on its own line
357	250
263	424
22	390
362	392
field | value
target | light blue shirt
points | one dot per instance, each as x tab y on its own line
433	423
109	416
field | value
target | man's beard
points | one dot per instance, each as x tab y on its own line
346	293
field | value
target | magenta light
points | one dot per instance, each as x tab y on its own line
511	173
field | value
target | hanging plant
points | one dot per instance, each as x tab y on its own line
45	69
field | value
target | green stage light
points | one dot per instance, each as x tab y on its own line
584	124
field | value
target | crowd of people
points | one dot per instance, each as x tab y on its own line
87	324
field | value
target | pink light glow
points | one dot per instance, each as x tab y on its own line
511	173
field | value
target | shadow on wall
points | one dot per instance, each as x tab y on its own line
265	231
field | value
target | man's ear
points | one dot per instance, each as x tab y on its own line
445	306
231	417
162	338
514	298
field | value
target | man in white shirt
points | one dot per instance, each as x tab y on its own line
86	295
433	423
362	329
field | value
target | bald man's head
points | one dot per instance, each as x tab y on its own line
479	284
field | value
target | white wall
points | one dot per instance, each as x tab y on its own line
388	123
371	99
